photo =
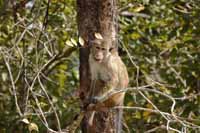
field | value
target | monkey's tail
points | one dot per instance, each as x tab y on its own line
118	121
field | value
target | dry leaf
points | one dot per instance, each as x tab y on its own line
98	36
73	42
138	9
81	41
33	126
69	43
25	121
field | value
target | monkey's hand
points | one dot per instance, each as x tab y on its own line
107	92
97	107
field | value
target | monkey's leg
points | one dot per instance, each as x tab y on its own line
91	118
91	101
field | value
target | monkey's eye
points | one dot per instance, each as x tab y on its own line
103	49
98	48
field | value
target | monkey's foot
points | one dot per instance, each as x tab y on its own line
91	107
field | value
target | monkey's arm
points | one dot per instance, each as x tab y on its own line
107	102
109	97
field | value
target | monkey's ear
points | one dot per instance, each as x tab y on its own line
113	49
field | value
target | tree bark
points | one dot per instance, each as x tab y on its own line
95	16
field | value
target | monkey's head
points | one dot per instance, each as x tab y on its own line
100	50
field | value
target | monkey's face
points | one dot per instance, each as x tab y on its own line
100	52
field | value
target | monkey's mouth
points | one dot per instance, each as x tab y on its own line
98	60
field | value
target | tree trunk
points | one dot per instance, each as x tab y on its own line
95	16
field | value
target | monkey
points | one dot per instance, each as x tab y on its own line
107	67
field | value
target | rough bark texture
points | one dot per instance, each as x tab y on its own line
95	16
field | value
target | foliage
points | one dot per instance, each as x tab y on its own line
29	39
163	40
38	49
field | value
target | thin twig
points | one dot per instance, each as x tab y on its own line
51	103
13	86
